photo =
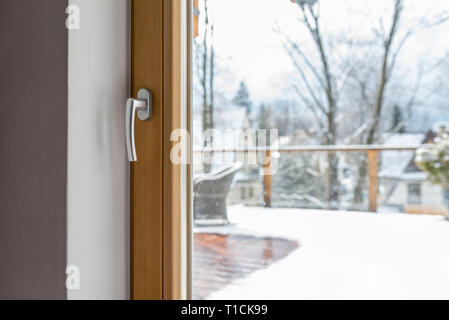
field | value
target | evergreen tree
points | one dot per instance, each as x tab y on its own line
242	97
397	119
264	123
298	182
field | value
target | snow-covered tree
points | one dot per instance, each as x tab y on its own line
298	182
264	122
318	86
242	98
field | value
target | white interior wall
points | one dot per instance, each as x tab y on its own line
98	180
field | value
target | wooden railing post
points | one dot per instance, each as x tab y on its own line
267	180
373	171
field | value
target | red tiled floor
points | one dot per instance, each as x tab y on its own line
222	259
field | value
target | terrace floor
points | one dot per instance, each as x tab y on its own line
307	254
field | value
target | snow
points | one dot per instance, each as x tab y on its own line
345	255
404	139
414	176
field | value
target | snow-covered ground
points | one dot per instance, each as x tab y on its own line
345	255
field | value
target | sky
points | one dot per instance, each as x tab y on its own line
249	49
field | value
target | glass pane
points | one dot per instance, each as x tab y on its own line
320	149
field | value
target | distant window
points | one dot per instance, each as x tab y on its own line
251	192
242	193
414	193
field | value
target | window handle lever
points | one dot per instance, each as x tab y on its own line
143	106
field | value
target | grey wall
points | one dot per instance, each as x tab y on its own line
33	148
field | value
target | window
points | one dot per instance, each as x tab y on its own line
414	193
242	193
297	122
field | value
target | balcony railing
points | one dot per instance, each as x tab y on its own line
372	152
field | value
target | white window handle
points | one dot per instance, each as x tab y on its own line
143	106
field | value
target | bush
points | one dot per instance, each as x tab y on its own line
434	159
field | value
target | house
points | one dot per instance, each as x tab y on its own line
403	186
232	131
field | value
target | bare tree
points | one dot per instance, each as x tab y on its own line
206	74
392	39
318	87
323	81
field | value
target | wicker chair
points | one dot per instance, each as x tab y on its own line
210	192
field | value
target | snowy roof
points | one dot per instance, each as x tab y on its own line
395	163
404	139
414	176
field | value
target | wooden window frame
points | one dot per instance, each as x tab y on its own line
161	223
